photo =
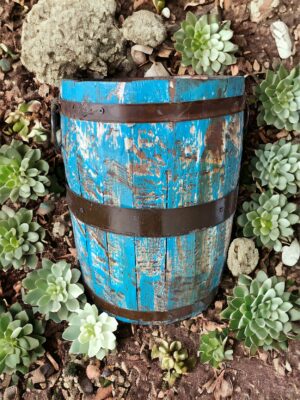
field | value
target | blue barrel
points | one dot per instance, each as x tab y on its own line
152	167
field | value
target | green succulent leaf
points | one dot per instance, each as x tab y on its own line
20	239
212	348
279	95
205	43
23	175
173	357
266	317
20	339
269	218
91	334
277	166
51	291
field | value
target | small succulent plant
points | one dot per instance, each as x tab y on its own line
212	348
38	133
18	121
279	95
262	313
22	173
54	290
205	43
20	238
174	359
268	217
21	339
277	166
91	333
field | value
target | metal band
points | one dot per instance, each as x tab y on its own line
151	316
152	222
153	112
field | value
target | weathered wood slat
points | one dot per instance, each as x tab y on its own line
164	165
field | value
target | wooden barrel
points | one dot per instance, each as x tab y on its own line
152	167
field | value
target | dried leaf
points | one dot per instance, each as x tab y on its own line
291	254
103	393
156	70
281	34
234	70
193	3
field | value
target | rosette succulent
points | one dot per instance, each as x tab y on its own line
91	333
21	339
174	359
279	95
205	43
262	313
268	217
22	173
212	348
277	166
54	290
19	122
20	238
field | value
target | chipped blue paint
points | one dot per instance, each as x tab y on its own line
166	165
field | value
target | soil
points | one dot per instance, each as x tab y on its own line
268	375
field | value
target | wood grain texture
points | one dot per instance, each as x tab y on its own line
165	165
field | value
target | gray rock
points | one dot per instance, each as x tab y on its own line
243	256
61	37
145	28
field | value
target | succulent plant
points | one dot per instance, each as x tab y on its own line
54	290
212	348
20	238
268	217
173	357
91	333
277	166
279	95
262	313
22	173
205	43
21	339
18	121
38	133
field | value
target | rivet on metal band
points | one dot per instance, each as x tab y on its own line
150	316
152	222
152	112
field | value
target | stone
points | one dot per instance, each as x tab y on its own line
243	256
145	28
62	37
261	9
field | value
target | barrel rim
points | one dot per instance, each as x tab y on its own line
158	78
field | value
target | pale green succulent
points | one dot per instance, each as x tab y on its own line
174	359
91	333
279	95
205	43
22	173
212	348
277	166
18	121
20	239
38	133
269	218
21	339
54	290
262	313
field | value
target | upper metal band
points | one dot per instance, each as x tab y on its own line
152	112
152	222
